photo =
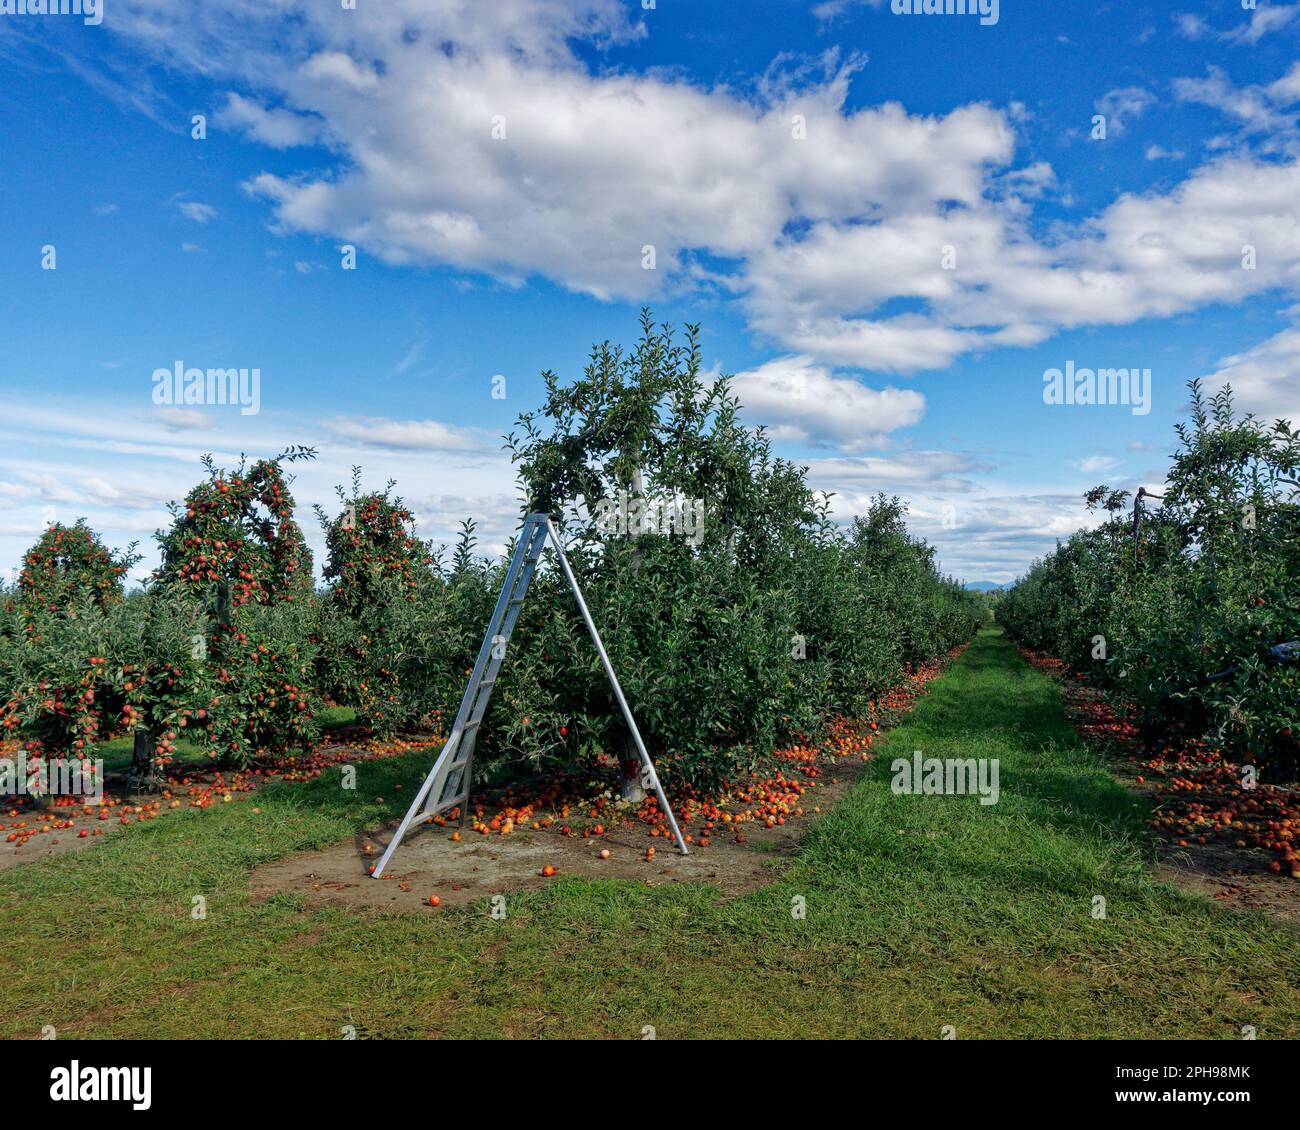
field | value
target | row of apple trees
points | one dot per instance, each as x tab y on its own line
752	623
1186	606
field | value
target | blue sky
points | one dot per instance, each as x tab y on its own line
798	166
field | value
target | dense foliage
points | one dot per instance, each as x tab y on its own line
238	529
214	643
737	615
394	629
750	622
1179	615
67	562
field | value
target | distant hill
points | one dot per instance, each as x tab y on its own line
986	586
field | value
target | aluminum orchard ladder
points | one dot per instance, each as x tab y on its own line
448	783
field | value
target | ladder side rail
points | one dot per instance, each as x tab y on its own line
494	625
482	661
506	628
469	738
447	750
618	690
453	743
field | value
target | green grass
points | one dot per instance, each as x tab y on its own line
921	912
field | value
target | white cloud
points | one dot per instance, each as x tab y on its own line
801	402
1191	26
197	211
1263	21
278	128
185	419
1259	108
1123	106
1160	153
338	68
927	472
411	435
409	358
1264	378
828	11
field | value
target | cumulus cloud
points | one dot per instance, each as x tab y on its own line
801	402
476	137
1264	378
277	127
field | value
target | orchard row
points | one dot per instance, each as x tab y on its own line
1187	608
754	631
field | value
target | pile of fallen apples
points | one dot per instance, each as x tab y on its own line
1209	801
1201	798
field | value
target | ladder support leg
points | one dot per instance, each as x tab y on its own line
618	690
416	805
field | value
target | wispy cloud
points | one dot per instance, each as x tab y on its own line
412	435
197	211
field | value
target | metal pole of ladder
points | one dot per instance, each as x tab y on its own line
613	682
523	571
460	743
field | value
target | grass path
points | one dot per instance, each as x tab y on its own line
921	912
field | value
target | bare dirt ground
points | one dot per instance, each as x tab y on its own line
1218	873
53	843
429	862
1237	876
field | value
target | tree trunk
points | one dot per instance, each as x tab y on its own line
630	788
223	604
143	776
